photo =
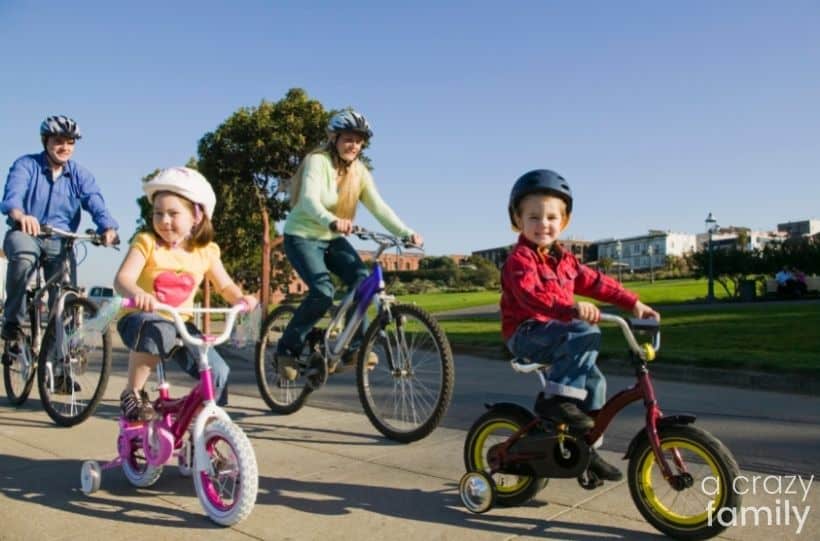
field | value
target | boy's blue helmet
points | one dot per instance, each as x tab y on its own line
539	181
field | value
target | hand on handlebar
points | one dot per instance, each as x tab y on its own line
587	312
250	301
414	240
144	301
28	224
642	311
110	238
345	227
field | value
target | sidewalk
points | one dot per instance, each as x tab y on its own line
323	475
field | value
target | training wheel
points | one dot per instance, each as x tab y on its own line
185	459
477	491
90	477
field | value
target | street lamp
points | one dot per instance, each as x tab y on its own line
711	224
650	251
618	248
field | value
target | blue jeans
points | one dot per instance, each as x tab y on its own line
314	260
24	254
151	333
572	349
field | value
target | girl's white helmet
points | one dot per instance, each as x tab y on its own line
186	182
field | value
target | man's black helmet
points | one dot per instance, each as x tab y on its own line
60	125
539	181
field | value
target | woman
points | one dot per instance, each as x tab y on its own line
325	191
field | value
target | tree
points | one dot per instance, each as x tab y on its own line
249	159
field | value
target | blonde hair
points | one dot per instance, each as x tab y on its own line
349	181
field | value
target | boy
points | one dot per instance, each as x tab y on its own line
541	319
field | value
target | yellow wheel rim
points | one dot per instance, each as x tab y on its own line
480	459
652	492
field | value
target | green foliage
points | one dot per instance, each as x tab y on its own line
247	159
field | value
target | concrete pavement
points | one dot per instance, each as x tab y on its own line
324	474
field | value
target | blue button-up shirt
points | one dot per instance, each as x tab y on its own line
55	202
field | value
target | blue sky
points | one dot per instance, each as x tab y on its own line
656	112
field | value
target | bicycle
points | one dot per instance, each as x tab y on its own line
193	429
406	394
510	453
72	368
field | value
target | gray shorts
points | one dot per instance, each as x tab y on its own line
147	332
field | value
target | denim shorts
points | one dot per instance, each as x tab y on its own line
147	332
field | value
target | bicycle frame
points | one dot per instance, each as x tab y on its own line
641	390
362	295
177	415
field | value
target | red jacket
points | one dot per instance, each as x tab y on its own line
541	286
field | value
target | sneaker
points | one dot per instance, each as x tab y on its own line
603	469
288	366
561	409
66	384
11	332
136	406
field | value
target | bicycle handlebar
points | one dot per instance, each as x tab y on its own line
90	235
651	325
179	323
384	239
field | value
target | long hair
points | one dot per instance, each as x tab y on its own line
349	186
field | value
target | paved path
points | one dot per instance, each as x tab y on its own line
324	474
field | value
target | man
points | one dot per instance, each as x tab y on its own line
46	188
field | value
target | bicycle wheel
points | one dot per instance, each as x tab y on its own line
407	393
493	428
74	364
280	394
706	471
135	466
227	487
19	369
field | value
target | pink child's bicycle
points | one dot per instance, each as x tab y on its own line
194	431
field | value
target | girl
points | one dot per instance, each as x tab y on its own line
326	188
167	265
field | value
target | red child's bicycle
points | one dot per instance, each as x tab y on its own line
680	476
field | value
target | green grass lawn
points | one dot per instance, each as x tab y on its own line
764	336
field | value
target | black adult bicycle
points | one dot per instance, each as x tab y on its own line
71	366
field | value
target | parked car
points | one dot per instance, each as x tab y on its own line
100	295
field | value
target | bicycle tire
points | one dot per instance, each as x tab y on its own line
18	376
281	396
86	361
227	487
408	392
684	513
491	428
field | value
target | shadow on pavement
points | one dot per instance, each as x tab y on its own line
442	506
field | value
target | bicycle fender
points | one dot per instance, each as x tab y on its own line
511	408
209	411
672	420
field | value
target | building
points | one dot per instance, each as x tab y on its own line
580	248
803	228
645	252
727	238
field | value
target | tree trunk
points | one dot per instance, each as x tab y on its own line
264	297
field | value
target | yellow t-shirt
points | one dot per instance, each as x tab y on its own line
173	275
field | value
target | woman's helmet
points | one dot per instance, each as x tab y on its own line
60	125
349	120
185	182
539	181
